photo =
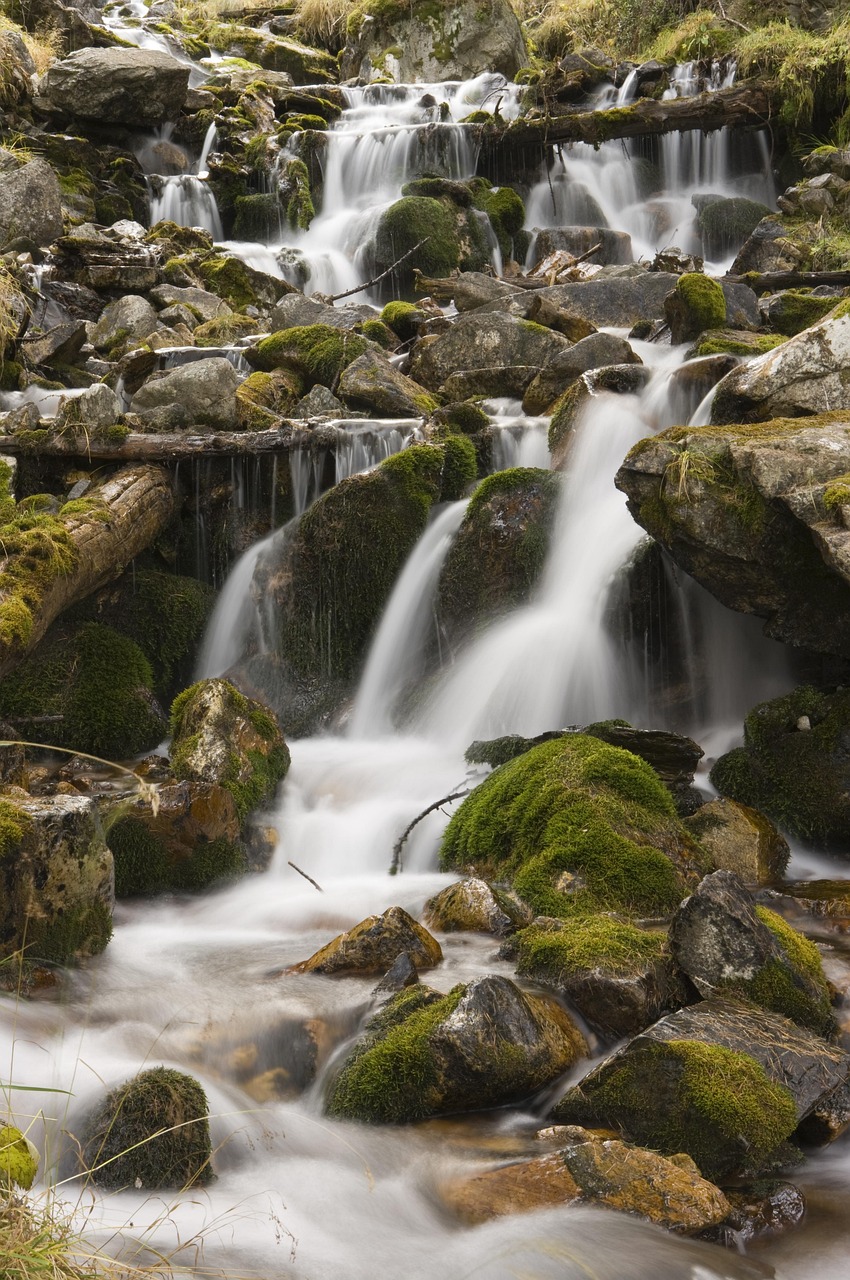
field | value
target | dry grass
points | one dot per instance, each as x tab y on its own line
324	21
44	45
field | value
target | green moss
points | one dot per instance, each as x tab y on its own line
506	212
98	682
798	311
37	550
391	1077
423	221
14	825
18	1164
580	826
377	331
224	330
729	343
403	318
258	217
230	279
83	929
597	943
460	467
498	483
463	416
776	986
145	865
317	351
152	1132
837	493
717	1106
703	300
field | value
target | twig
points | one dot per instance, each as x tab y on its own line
733	22
335	297
306	877
395	865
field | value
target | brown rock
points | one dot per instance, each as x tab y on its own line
373	944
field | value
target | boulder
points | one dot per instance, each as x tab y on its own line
723	1081
598	1171
137	87
370	382
127	320
483	1045
617	302
57	878
790	311
94	410
485	341
616	379
594	352
726	223
60	345
793	765
205	306
697	303
295	309
30	204
756	515
474	906
123	1146
773	246
18	67
205	389
616	246
725	943
764	1208
618	977
220	737
374	945
454	40
740	839
108	260
498	554
806	375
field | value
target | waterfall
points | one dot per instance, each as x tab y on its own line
235	624
397	654
517	440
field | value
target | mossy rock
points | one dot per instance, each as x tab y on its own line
696	304
792	311
506	211
374	945
124	1146
740	839
98	681
734	342
263	397
798	776
237	283
725	224
474	906
484	1044
403	318
258	217
224	330
418	220
220	737
316	352
579	827
460	466
18	1159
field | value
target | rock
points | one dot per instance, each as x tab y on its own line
798	776
475	906
498	554
755	515
122	1142
300	63
806	375
137	87
616	246
317	353
765	1208
789	311
453	41
592	1170
484	1044
740	839
486	341
696	304
553	820
94	410
18	67
371	382
30	204
616	303
57	877
205	306
401	974
221	737
617	379
107	260
206	389
508	380
772	247
618	977
594	352
726	223
127	320
19	1159
374	945
60	345
727	944
295	309
319	402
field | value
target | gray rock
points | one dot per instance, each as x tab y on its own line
740	839
30	204
615	379
484	341
295	309
128	319
137	87
371	382
615	302
205	388
204	305
473	905
320	402
593	352
771	247
616	245
62	344
95	409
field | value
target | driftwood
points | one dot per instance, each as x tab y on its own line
165	447
769	281
137	504
395	865
744	106
335	297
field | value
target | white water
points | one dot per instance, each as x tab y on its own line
517	439
185	198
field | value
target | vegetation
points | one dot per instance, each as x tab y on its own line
586	946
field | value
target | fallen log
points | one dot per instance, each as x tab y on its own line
49	563
769	281
744	106
166	447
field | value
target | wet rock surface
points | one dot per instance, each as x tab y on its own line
374	945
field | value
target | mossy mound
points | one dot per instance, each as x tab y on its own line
696	304
792	311
18	1159
506	212
460	467
403	318
796	986
98	682
421	221
151	1132
317	352
224	330
580	827
148	863
798	776
734	342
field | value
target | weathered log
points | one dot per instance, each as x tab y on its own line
744	106
176	446
769	281
134	507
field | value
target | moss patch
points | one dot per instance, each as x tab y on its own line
316	351
598	943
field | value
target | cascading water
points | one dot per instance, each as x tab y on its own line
185	198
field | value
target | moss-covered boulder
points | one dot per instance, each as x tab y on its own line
495	561
318	353
696	304
734	342
404	318
793	765
19	1159
725	943
579	827
568	409
726	223
594	1170
99	686
152	1132
619	977
793	310
57	879
428	230
374	945
222	738
740	839
474	906
370	382
330	581
723	1081
487	343
450	40
483	1045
